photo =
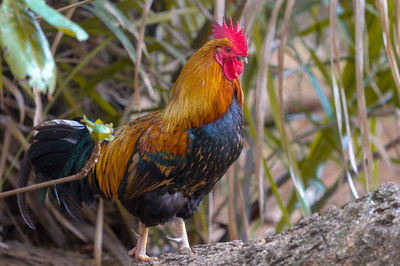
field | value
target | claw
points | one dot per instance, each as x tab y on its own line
140	257
139	251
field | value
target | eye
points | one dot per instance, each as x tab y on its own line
228	50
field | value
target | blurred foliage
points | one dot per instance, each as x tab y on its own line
95	77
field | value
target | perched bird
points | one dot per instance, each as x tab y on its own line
159	166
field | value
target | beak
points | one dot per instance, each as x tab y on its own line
243	59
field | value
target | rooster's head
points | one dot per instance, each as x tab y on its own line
231	57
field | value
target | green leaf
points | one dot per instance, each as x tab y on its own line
54	18
98	130
25	47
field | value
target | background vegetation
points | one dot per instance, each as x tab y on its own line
321	98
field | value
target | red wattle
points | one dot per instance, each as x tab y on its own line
232	69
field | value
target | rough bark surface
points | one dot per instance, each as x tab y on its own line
362	232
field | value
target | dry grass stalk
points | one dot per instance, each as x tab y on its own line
12	126
362	108
340	98
219	10
250	11
98	235
139	49
242	209
297	182
11	87
397	25
381	5
232	225
64	222
261	101
4	152
38	118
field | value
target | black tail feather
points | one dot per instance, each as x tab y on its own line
24	173
60	148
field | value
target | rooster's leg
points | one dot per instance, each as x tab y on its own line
140	250
184	242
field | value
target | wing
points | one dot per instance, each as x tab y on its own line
158	158
141	157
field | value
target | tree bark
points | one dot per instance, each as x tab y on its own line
362	232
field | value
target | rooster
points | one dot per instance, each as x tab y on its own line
159	166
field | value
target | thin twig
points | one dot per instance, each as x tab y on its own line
92	160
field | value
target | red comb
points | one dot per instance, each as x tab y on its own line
235	35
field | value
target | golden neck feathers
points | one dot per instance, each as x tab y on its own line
201	94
